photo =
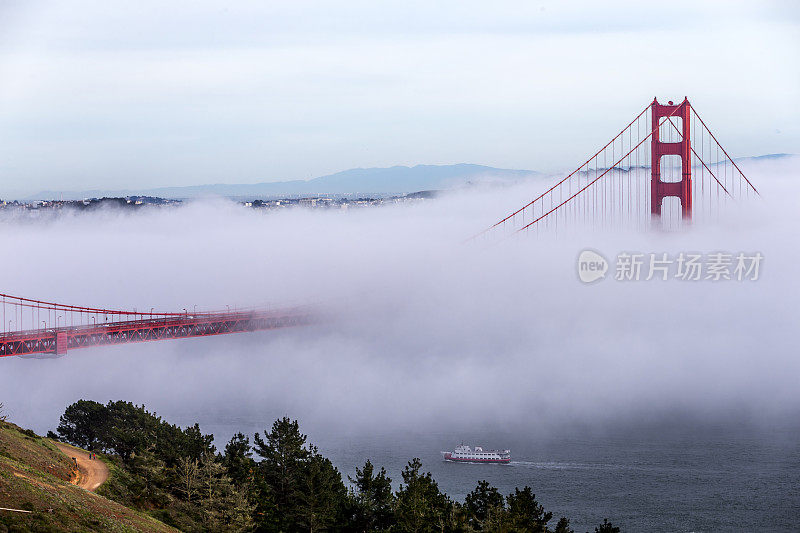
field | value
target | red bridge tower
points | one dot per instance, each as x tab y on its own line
661	189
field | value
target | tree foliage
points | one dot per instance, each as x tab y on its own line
238	460
124	429
280	483
83	423
484	507
322	493
606	527
525	513
563	526
420	506
372	499
280	474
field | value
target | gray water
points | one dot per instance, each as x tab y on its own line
682	479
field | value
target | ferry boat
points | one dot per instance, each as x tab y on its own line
465	454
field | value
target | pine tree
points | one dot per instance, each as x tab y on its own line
83	424
484	507
525	513
221	504
150	473
322	493
129	429
420	506
238	460
563	526
281	474
373	499
606	527
187	474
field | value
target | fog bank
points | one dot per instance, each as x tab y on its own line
424	332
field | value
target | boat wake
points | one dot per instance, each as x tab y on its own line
552	465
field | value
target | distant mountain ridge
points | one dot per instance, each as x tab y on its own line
357	181
765	156
382	181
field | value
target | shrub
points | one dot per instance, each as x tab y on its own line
29	433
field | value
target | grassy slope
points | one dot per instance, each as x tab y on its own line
35	476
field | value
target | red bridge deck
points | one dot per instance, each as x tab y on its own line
59	340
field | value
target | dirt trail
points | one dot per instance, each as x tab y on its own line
91	472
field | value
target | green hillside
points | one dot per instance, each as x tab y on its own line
35	477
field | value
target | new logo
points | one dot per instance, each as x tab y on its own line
591	266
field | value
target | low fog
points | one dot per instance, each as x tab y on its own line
422	332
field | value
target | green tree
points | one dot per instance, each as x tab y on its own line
322	493
149	475
484	507
83	424
223	507
172	442
187	470
606	527
239	511
563	526
419	505
373	499
525	513
129	430
195	444
280	475
238	459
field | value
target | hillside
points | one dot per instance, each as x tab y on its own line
380	181
35	476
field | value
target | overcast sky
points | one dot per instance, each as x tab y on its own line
98	94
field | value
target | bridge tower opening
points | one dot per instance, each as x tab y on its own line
660	189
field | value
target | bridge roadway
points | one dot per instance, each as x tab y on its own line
57	341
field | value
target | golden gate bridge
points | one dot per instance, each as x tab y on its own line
55	328
664	168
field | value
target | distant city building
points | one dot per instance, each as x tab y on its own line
144	202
